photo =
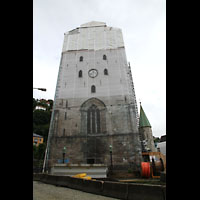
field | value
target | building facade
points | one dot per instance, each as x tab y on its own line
95	104
37	139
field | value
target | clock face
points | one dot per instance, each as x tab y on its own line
93	73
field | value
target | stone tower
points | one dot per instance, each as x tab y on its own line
95	104
145	132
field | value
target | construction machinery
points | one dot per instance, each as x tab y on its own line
153	164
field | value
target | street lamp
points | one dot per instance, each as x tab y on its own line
64	151
42	89
111	165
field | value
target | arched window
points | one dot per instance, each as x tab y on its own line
81	59
93	89
104	57
80	74
105	72
93	120
93	117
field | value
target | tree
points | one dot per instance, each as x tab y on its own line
38	157
39	151
34	152
51	103
41	129
41	117
156	139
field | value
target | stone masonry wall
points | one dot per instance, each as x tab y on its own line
117	124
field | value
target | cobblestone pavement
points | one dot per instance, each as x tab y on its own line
42	191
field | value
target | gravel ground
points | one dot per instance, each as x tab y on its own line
42	191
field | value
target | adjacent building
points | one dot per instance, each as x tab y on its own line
161	146
40	107
37	139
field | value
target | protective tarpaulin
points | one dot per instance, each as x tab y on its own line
93	36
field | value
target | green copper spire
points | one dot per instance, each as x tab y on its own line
144	122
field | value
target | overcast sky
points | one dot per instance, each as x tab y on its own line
143	24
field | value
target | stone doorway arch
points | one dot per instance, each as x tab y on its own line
93	126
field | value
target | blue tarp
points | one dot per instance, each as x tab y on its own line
61	161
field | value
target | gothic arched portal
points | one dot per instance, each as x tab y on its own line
93	124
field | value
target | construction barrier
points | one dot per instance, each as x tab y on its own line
115	190
127	191
146	192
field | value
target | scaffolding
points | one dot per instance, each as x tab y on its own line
132	92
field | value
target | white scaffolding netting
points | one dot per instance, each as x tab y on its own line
93	37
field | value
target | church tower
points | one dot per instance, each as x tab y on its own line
145	132
95	104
